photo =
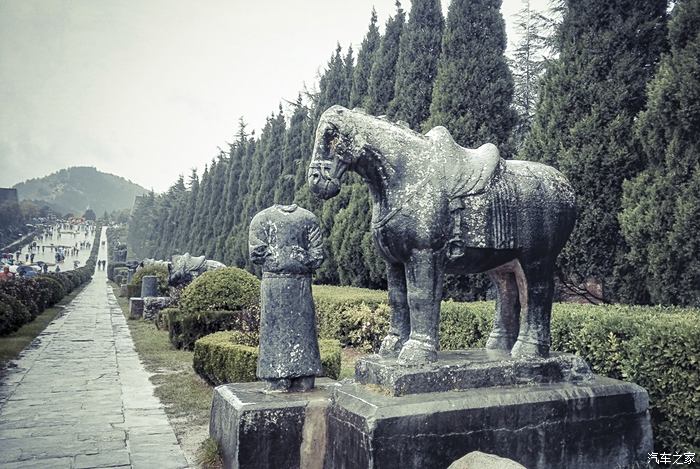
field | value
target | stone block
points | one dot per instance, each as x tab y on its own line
270	430
149	286
600	423
123	290
135	308
153	305
467	369
479	460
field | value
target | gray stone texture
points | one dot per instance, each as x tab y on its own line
136	306
153	305
439	207
149	286
257	429
479	460
286	241
78	396
467	369
600	424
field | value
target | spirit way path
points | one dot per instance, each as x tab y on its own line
79	396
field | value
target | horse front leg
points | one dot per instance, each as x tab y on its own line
398	302
424	277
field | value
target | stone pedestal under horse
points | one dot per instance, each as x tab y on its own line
438	207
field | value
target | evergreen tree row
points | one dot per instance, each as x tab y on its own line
586	99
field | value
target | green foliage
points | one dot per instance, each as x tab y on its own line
416	65
159	271
54	286
380	89
13	314
356	317
232	357
185	327
590	95
661	206
230	289
365	59
655	347
474	88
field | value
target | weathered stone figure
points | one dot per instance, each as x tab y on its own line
438	207
286	241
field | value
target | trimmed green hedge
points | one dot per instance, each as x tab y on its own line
229	289
185	327
655	347
232	356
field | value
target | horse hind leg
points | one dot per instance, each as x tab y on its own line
534	338
507	319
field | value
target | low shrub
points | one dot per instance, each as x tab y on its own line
357	317
24	291
159	271
655	347
232	356
228	289
185	327
13	314
54	286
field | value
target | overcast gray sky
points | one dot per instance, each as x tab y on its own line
147	89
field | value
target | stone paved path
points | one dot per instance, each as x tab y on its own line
79	396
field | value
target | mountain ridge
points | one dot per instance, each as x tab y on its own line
76	188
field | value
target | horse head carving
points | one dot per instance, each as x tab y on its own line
438	207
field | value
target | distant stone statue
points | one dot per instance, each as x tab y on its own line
439	207
286	241
185	267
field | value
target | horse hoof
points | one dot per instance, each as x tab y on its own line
391	345
415	352
523	349
499	342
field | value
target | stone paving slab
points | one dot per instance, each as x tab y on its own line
78	396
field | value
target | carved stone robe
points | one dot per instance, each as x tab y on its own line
286	241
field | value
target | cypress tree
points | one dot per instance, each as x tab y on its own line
661	216
474	87
293	153
527	65
583	125
383	76
417	63
365	59
271	163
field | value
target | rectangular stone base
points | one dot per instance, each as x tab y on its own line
467	369
135	308
603	423
262	430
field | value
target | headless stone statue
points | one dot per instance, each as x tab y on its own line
286	241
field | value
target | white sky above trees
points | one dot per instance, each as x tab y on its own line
147	89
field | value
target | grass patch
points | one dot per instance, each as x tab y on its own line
208	456
349	356
12	345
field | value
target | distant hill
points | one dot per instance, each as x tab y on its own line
77	188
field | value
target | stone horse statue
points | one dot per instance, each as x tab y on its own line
438	207
184	268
